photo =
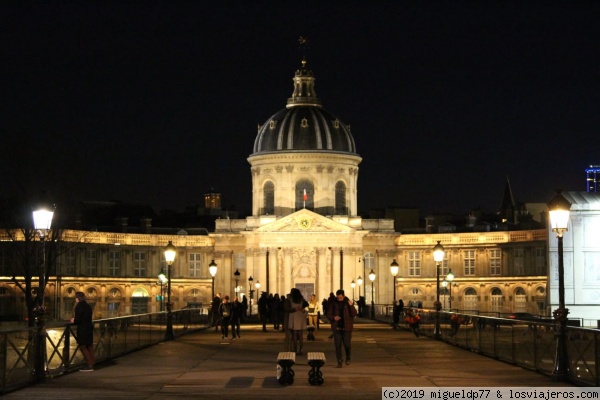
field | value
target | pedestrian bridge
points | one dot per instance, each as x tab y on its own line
202	365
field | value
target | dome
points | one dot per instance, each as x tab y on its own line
304	125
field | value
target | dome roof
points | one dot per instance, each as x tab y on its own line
304	125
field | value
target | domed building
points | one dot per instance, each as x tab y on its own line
304	157
304	232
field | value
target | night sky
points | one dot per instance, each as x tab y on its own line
158	102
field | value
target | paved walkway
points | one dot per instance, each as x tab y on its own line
202	366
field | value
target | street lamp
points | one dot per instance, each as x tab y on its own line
394	271
237	280
162	279
212	268
170	252
438	257
445	286
450	278
42	221
559	209
251	294
372	279
353	285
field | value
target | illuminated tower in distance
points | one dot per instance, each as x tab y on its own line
592	178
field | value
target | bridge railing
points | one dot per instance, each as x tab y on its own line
112	337
529	344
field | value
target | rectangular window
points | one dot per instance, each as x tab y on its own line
70	257
91	263
469	262
540	261
495	262
114	263
519	262
139	263
414	263
444	265
195	265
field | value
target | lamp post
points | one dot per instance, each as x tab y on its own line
237	280
42	221
394	271
450	278
559	209
161	280
212	268
353	285
170	252
445	286
267	265
438	257
359	281
251	295
372	279
341	268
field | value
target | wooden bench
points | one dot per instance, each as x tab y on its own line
316	360
285	360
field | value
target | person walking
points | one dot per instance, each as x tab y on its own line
263	310
225	315
330	300
287	311
237	313
341	315
215	309
297	322
85	331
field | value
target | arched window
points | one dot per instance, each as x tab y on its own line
520	300
269	198
305	195
340	199
496	300
471	302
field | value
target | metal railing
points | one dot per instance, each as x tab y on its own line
113	337
529	344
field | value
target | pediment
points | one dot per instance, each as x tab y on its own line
304	221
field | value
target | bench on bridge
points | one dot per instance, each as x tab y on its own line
316	360
285	360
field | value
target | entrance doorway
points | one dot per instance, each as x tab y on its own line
306	289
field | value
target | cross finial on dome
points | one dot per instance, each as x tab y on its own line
303	46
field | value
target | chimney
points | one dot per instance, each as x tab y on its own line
146	224
121	223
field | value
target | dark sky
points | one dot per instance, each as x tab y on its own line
157	102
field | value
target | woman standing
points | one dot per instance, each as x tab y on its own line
297	321
313	311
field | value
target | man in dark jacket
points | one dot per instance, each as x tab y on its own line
341	315
85	331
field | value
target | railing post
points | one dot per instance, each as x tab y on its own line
67	347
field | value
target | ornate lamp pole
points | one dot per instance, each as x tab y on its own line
359	281
251	295
353	285
170	252
162	279
372	279
42	221
212	268
450	278
394	271
438	257
559	209
445	286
